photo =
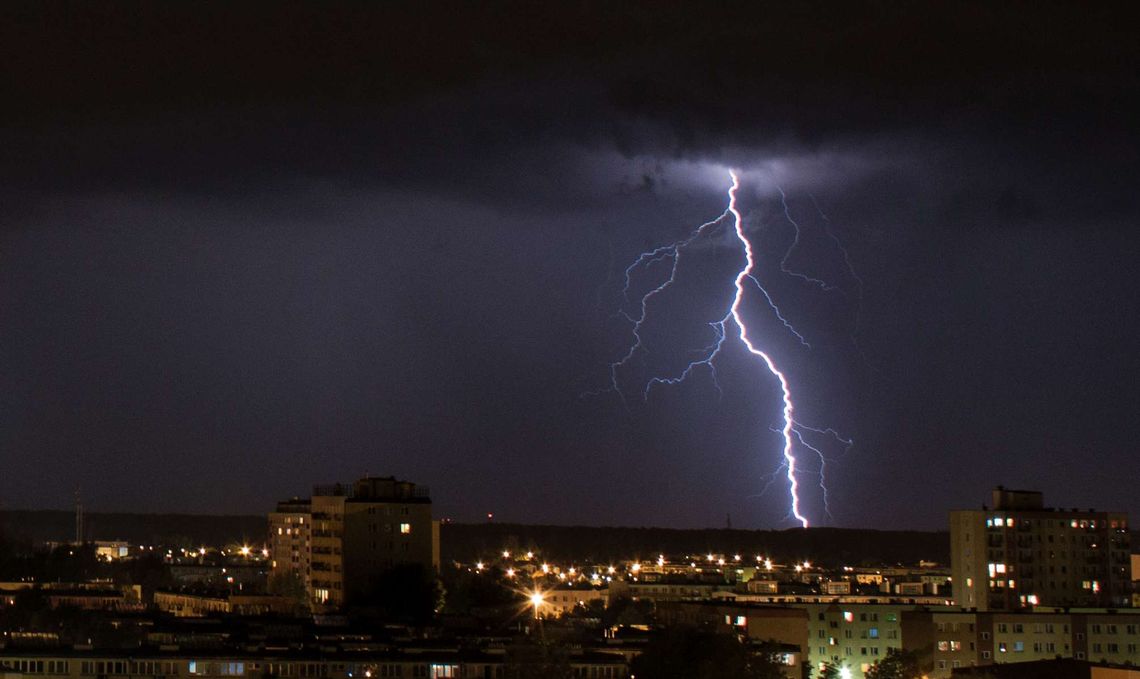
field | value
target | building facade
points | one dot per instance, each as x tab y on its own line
950	639
290	541
421	664
345	534
1021	554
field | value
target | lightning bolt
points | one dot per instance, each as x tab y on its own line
671	252
731	323
821	284
785	390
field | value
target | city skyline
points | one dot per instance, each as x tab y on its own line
240	256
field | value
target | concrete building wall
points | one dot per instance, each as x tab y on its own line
1020	554
854	636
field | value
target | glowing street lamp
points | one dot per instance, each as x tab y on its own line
536	600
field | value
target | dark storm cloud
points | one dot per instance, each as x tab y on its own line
232	99
298	240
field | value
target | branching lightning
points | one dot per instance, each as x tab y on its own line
821	284
792	432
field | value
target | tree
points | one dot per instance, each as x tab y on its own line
538	662
625	611
689	653
289	585
897	665
406	593
830	671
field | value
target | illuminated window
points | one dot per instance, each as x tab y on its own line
405	528
741	621
848	616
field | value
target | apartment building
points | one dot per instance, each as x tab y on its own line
954	638
1020	554
417	664
352	532
290	540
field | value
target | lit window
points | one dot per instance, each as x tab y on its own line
405	528
848	616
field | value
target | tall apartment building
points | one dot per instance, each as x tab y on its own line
290	540
1020	554
353	533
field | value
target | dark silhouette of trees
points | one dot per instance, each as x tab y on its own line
897	665
408	593
689	653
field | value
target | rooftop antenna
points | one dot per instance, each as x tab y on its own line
78	516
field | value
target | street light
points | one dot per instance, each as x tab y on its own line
536	599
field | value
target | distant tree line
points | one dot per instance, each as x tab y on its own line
826	546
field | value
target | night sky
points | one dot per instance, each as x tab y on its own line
245	249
